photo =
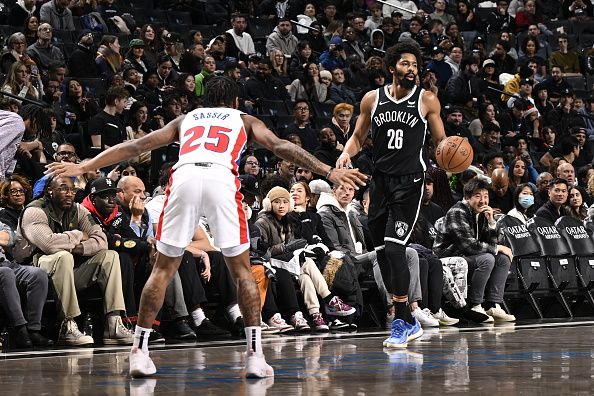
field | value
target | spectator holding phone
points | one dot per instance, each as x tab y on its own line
19	81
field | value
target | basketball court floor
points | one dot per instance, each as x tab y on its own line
529	358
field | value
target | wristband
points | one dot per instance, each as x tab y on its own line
329	172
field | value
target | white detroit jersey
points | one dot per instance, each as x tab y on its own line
214	135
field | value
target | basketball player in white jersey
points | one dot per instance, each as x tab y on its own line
204	183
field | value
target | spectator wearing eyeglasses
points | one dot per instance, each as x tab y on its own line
249	165
301	126
15	193
82	60
72	249
16	50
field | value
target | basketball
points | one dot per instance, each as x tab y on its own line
454	154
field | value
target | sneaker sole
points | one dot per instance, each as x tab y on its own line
111	341
416	335
322	329
448	323
341	313
64	343
141	374
391	345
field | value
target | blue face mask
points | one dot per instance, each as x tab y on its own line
526	201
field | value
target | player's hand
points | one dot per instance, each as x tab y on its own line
64	169
343	161
350	177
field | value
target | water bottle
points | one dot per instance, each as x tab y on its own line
88	325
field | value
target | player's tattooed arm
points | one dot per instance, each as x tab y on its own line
291	152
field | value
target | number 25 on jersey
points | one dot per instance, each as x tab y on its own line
219	141
396	138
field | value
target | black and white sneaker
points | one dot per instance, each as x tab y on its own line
337	324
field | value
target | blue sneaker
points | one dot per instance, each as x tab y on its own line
414	330
399	335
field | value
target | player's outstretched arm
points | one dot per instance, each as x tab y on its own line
120	152
291	152
354	144
433	116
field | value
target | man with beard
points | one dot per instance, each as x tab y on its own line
82	60
398	116
327	152
264	85
282	38
463	87
555	84
239	43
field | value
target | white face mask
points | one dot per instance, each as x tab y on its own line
248	212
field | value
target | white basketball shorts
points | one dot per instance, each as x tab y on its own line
210	191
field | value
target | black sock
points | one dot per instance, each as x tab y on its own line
328	298
403	312
488	305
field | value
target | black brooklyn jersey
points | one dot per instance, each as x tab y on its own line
398	132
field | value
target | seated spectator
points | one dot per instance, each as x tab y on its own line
464	85
33	284
586	147
469	230
335	56
303	55
454	125
567	148
109	61
148	34
309	87
282	38
567	60
528	16
302	126
106	128
264	86
339	92
21	82
65	238
439	66
136	57
77	107
137	127
281	246
149	91
500	193
216	49
170	110
552	209
15	193
208	69
280	66
556	84
239	43
174	48
57	14
327	152
43	52
341	123
191	61
524	207
166	73
576	203
30	28
81	62
487	142
65	152
16	50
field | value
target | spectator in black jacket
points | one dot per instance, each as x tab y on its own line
463	86
264	86
82	60
327	152
339	91
553	208
20	11
302	127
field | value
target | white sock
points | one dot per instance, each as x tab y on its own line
141	336
253	337
234	312
198	316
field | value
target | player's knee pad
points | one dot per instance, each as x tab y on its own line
169	250
235	250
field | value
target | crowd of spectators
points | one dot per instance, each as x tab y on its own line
514	77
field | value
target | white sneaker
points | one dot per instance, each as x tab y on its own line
479	309
278	322
299	322
116	333
141	365
72	336
499	315
256	366
267	330
444	319
143	387
425	318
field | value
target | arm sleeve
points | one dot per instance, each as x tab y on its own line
36	230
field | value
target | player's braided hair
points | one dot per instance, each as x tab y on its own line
220	91
38	117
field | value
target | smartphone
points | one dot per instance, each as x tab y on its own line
34	69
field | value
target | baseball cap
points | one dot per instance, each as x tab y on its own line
103	184
566	92
336	40
172	37
257	57
479	39
453	109
137	43
396	13
437	50
488	62
526	81
249	185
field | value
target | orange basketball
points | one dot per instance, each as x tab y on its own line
454	154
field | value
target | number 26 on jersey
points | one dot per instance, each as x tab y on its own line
395	138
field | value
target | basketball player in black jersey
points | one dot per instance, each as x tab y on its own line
398	116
